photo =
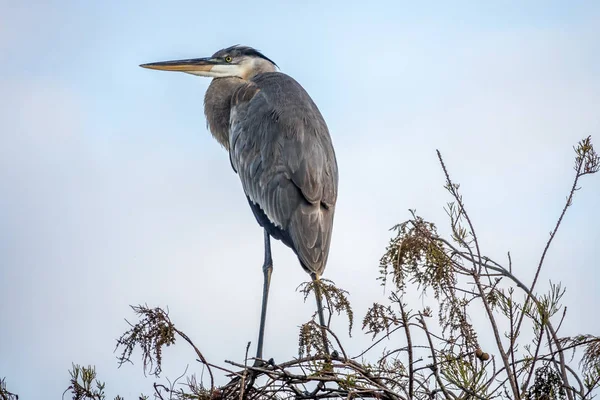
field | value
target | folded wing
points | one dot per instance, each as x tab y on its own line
281	149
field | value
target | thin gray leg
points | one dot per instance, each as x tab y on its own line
267	271
320	311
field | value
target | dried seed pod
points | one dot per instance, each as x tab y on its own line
479	353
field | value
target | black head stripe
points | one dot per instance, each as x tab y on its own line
238	50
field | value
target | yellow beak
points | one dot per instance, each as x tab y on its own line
191	65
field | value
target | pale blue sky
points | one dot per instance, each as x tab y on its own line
113	193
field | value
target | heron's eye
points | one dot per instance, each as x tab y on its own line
228	59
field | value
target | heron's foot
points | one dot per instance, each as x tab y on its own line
259	363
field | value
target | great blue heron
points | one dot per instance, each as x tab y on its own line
280	147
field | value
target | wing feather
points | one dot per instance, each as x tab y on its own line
281	149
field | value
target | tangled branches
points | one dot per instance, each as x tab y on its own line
331	377
4	393
464	281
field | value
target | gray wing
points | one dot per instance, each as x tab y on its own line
280	146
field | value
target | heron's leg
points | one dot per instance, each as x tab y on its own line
315	278
267	270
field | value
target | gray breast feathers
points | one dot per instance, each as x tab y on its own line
280	146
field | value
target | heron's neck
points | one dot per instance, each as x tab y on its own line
217	107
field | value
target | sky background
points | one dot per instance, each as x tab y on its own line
112	191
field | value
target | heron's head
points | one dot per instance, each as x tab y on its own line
235	61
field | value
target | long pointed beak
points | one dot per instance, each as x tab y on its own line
191	65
